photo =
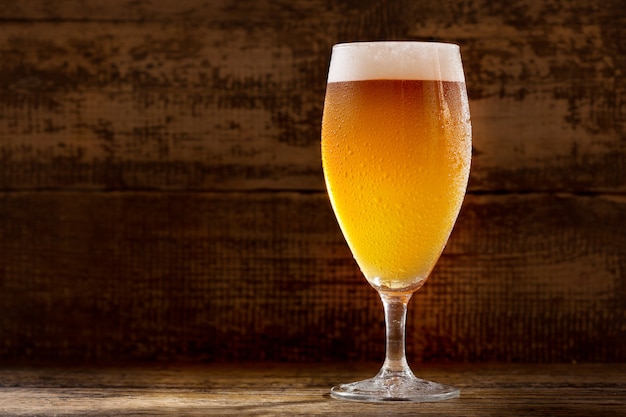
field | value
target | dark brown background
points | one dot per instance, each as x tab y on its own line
161	194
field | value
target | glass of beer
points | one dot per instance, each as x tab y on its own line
396	151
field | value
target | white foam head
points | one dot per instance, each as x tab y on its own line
395	60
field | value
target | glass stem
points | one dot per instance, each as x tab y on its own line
395	306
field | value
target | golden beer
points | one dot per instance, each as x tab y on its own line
396	151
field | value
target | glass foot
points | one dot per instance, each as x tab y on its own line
394	388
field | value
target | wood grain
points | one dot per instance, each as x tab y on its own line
161	193
278	390
187	95
268	276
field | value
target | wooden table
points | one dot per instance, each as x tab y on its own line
302	389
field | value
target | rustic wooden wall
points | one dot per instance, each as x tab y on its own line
161	194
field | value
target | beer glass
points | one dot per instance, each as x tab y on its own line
396	151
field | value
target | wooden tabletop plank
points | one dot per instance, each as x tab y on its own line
272	390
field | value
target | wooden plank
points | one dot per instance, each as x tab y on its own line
255	276
278	390
154	106
191	96
195	95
